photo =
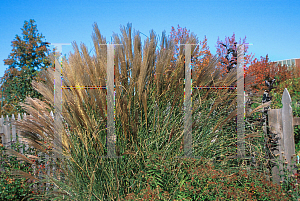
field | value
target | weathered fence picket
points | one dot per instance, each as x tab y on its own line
9	135
281	123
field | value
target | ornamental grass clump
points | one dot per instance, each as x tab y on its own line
149	122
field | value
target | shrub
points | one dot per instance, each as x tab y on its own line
203	182
14	188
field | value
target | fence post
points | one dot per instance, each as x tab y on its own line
111	137
57	105
26	145
240	102
18	134
4	138
288	129
53	158
7	132
275	124
188	140
13	129
1	129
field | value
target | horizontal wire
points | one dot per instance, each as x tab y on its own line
84	87
104	87
215	87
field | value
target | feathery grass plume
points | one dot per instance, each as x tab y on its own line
149	118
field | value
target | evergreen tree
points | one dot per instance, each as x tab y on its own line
29	55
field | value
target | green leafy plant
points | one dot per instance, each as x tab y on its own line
15	188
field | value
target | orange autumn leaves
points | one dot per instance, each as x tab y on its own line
263	70
201	55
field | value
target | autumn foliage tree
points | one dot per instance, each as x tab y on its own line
264	69
29	55
222	51
201	54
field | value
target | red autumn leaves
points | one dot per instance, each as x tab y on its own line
262	69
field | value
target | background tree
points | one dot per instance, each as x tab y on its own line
201	54
264	69
29	55
222	52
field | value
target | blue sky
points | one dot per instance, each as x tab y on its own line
271	25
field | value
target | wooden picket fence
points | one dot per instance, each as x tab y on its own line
9	135
281	123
